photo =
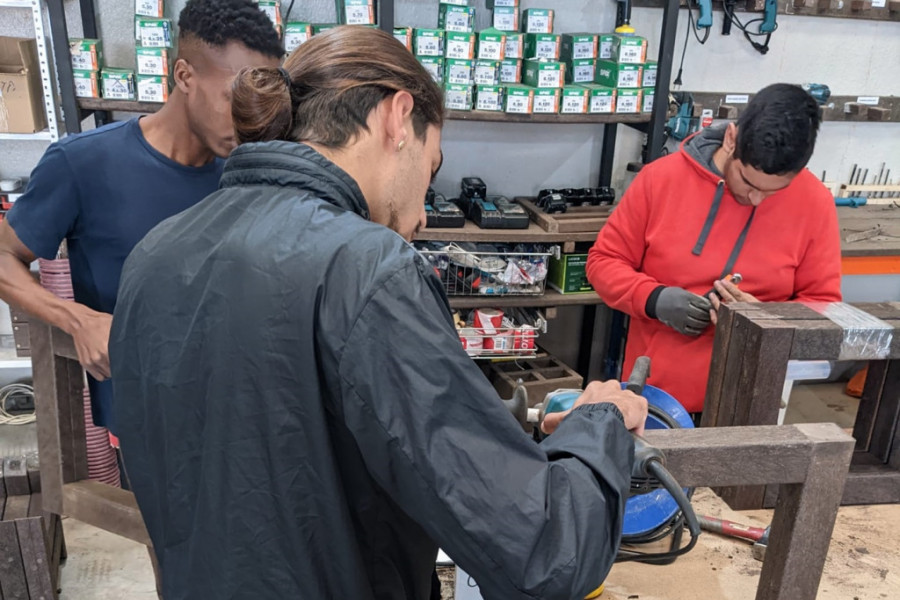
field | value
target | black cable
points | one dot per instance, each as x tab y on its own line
687	35
288	13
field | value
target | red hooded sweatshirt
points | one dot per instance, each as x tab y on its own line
655	237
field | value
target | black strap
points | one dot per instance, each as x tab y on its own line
738	246
710	218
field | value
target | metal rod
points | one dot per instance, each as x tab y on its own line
607	152
59	35
659	116
386	15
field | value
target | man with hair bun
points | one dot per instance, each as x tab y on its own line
104	189
737	198
298	417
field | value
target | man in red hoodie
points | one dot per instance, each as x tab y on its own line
735	199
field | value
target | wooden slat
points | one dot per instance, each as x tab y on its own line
816	340
575	219
35	560
15	476
33	466
109	508
885	429
48	417
13	585
548	298
878	486
16	507
868	404
471	232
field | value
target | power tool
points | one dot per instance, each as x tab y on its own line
489	212
705	20
658	505
623	17
440	213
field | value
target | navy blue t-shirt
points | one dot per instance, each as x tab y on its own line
102	191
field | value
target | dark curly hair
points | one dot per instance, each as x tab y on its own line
218	22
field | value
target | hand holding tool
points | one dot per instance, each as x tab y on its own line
683	311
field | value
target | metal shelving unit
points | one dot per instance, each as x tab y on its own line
52	133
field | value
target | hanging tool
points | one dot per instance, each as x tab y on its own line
705	19
623	18
819	91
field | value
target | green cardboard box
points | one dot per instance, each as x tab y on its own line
459	44
515	45
505	18
459	70
542	45
601	99
356	12
404	35
647	99
491	4
492	44
318	28
428	42
605	49
152	61
149	8
489	97
511	70
628	101
544	73
117	84
455	2
537	20
612	74
457	96
580	70
151	88
580	46
487	72
434	65
456	18
628	49
648	79
546	101
87	83
297	33
155	33
574	100
87	54
518	99
567	275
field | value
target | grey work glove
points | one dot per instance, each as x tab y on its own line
681	310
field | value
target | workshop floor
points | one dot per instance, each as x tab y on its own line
863	562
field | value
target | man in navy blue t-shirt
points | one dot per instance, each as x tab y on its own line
103	190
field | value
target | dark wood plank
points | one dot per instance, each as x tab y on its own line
13	585
548	298
575	219
802	526
57	555
15	476
71	401
16	508
33	466
792	311
35	560
884	432
716	379
111	509
872	486
728	456
63	344
48	418
35	505
868	404
816	340
737	351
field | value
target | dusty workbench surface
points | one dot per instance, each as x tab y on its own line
862	221
863	562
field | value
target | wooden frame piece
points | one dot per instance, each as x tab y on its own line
810	461
752	346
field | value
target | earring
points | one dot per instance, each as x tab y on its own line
401	145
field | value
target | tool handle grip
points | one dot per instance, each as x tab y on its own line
639	374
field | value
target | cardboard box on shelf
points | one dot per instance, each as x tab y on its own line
117	84
459	70
537	20
574	100
297	33
546	101
515	45
152	89
487	72
356	12
492	44
601	99
152	61
318	28
489	97
628	49
518	99
544	73
511	70
149	8
459	45
647	100
648	78
604	51
21	94
581	70
155	33
628	101
612	74
580	45
87	54
434	65
428	42
456	18
457	96
505	18
542	45
272	9
87	84
566	274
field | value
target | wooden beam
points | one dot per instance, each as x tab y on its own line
109	508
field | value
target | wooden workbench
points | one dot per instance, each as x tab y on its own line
879	255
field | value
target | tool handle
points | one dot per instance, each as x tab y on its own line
639	374
730	528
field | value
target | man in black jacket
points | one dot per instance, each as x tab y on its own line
298	416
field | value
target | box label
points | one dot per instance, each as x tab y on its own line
457	21
631	54
510	72
648	102
486	74
457	100
86	87
606	42
428	45
459	49
869	100
148	8
627	104
152	64
155	36
490	50
514	47
359	15
546	49
737	98
538	23
583	73
629	78
506	19
573	104
293	40
517	104
117	88
649	77
549	79
488	100
548	103
583	50
459	73
83	61
602	104
152	89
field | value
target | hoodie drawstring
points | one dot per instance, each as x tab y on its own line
713	211
738	246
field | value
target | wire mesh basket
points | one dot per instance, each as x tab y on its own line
466	272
